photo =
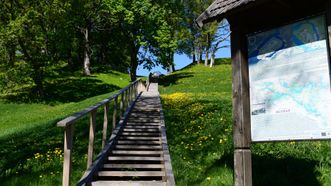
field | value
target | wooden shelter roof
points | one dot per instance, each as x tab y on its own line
218	9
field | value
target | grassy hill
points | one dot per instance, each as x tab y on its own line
31	144
197	103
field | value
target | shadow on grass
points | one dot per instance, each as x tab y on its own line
173	78
286	172
29	158
63	91
274	172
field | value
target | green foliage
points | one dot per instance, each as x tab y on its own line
197	105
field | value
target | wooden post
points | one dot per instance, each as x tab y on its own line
328	23
67	156
115	112
105	124
121	104
241	110
93	116
129	95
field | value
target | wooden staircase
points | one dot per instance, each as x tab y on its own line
137	153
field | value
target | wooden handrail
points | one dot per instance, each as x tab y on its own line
126	95
76	116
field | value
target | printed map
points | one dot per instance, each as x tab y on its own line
290	82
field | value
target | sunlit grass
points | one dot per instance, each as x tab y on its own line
198	108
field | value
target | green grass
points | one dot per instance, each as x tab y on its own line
197	103
31	144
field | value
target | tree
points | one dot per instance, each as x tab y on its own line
28	29
221	36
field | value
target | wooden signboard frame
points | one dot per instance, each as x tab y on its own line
241	101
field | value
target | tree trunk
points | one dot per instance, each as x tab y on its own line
212	61
37	77
12	55
38	73
173	68
134	61
199	56
172	62
87	51
193	58
207	50
206	57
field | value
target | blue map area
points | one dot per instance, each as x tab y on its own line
297	35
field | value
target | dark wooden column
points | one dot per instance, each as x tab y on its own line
328	22
241	109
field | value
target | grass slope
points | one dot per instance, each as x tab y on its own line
197	103
31	144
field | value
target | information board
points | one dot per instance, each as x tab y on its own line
289	80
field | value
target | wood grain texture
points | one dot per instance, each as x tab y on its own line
93	116
243	167
67	156
240	89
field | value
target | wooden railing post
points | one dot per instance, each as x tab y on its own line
129	97
115	112
67	156
93	115
105	124
121	104
135	89
125	100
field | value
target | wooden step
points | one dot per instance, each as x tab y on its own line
143	121
133	166
139	142
133	152
140	130
145	147
128	183
131	173
140	138
142	127
141	133
132	158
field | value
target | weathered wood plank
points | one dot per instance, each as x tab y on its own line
240	86
243	167
128	183
105	124
67	156
132	166
133	152
115	112
140	130
142	147
328	20
139	142
141	134
143	126
169	178
76	116
93	116
139	138
130	158
241	109
132	173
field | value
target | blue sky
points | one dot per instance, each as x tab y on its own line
182	61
